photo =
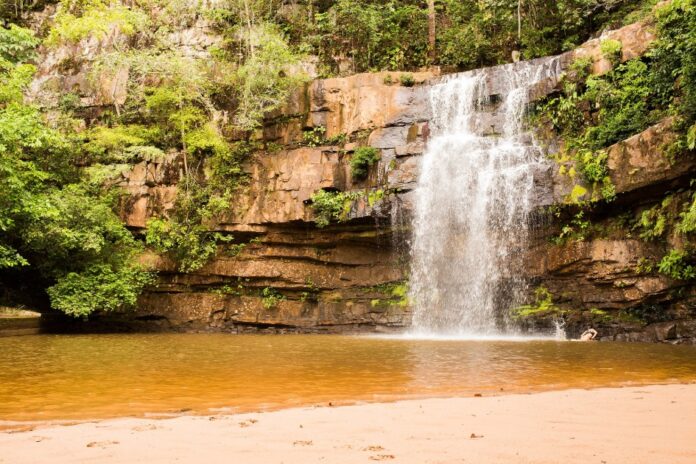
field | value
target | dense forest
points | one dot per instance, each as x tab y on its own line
59	211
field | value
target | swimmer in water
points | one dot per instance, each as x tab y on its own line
588	335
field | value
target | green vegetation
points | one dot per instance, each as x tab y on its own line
653	223
593	112
270	297
398	295
543	305
332	206
79	19
611	50
204	113
670	220
264	80
407	80
687	224
590	113
676	264
577	230
361	161
59	229
352	35
314	137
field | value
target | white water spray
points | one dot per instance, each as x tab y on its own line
473	201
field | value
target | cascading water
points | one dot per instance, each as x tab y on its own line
473	201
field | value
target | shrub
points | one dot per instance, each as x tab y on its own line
17	44
189	245
407	80
675	264
361	161
577	230
653	222
99	288
120	143
96	20
266	78
580	69
270	297
593	165
687	224
314	137
328	206
611	50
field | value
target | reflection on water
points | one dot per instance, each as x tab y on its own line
86	376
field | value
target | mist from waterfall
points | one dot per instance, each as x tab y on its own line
473	202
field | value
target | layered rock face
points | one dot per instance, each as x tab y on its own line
611	282
292	276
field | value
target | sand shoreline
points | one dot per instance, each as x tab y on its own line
636	424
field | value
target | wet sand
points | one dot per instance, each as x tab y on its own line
647	424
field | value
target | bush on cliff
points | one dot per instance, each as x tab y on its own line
361	161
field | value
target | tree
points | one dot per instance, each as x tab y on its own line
431	31
55	224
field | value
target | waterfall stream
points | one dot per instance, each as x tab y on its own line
473	201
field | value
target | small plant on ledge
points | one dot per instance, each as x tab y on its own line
611	50
329	205
361	161
407	80
271	297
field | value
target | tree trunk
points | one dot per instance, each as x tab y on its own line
519	22
247	12
431	31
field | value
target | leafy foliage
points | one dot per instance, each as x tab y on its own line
677	265
55	224
99	287
103	144
611	50
653	222
578	229
362	159
266	78
191	245
332	206
17	44
77	20
270	297
687	224
674	55
372	35
407	80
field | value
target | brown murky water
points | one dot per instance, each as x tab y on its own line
93	376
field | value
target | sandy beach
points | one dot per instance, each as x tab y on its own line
648	424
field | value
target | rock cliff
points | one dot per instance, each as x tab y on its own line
282	273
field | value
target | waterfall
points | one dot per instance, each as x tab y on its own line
473	200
